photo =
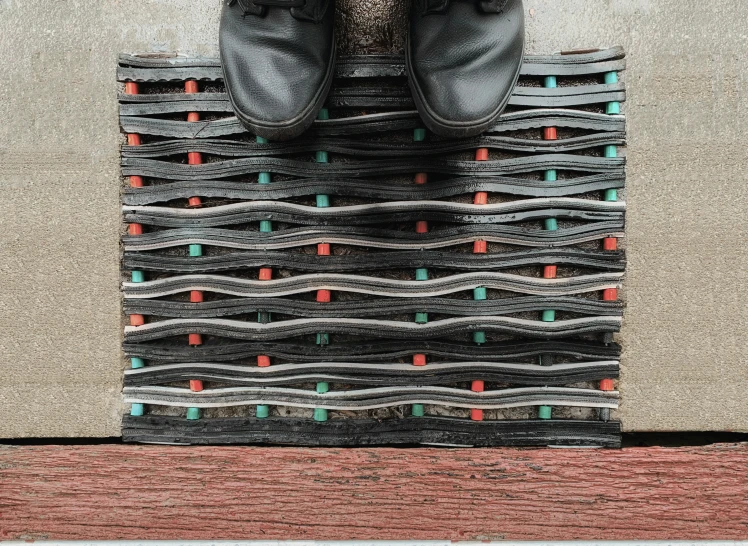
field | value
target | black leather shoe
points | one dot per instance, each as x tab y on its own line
463	59
278	58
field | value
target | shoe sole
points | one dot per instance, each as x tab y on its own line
443	127
286	130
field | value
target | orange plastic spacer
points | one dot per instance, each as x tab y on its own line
481	154
419	359
133	139
323	249
266	274
194	202
196	385
192	117
263	361
194	158
480	247
195	339
323	296
421	178
131	88
610	243
610	294
135	229
136	181
549	133
190	86
422	226
481	198
607	385
137	320
196	296
549	272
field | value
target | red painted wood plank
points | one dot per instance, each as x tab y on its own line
155	492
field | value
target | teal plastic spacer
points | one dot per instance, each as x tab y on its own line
266	226
136	363
323	339
551	224
193	414
261	140
138	276
422	318
611	151
419	134
323	201
320	157
137	410
263	412
612	108
417	410
263	178
324	113
422	274
611	195
196	250
549	315
479	337
322	387
480	293
544	412
320	414
550	81
550	175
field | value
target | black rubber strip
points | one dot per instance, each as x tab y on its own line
361	169
444	431
601	260
375	351
394	374
377	213
379	286
377	123
369	148
150	68
372	238
371	398
370	307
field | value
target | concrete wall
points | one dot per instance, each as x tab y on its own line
60	323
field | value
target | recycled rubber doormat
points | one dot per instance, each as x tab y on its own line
371	283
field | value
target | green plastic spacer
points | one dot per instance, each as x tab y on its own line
611	195
544	412
549	315
196	250
138	276
422	318
417	410
320	414
480	293
419	134
323	339
266	226
551	224
263	412
323	201
136	363
479	337
193	414
137	410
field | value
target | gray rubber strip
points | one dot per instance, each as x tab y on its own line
357	373
372	238
391	329
350	432
370	307
372	189
377	213
361	169
600	260
377	286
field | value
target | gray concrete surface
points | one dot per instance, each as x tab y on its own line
60	362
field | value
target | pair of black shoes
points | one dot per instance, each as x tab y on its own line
463	59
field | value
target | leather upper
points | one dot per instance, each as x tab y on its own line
276	59
464	57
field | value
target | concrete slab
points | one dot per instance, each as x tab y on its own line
684	362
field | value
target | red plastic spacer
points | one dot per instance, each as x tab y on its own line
607	385
195	339
196	296
480	247
137	320
266	274
136	181
422	226
323	296
476	415
481	198
194	158
549	133
133	139
196	385
477	386
323	249
610	294
190	86
194	202
549	272
610	243
131	88
421	178
481	154
419	359
135	229
263	361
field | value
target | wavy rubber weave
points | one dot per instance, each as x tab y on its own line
369	283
